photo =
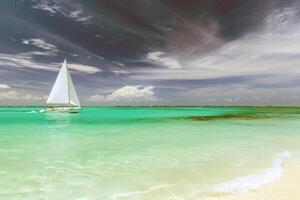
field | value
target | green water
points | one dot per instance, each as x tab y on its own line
138	153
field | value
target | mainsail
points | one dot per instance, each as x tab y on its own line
63	92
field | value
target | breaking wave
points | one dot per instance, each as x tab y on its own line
244	184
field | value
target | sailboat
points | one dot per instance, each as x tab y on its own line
63	97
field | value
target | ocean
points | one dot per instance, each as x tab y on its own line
144	153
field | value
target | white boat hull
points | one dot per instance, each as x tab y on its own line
62	109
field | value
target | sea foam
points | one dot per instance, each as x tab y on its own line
242	185
135	193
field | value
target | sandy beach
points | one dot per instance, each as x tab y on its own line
287	188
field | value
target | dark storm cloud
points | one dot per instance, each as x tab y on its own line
124	30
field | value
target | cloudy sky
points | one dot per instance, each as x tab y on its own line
152	52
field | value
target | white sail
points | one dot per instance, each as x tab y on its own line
63	92
72	93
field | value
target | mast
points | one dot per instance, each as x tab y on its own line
68	81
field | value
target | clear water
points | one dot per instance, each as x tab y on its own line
139	153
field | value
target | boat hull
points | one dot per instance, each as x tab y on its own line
62	109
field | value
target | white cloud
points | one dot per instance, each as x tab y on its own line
79	16
99	36
97	98
69	10
133	93
4	86
118	63
163	59
84	68
128	94
120	72
36	53
51	7
41	44
14	95
26	60
281	17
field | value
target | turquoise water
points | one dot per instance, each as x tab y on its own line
142	153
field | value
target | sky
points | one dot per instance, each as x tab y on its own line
152	52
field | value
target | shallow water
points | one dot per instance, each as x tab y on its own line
143	152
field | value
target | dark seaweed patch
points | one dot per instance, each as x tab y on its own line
203	118
226	117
